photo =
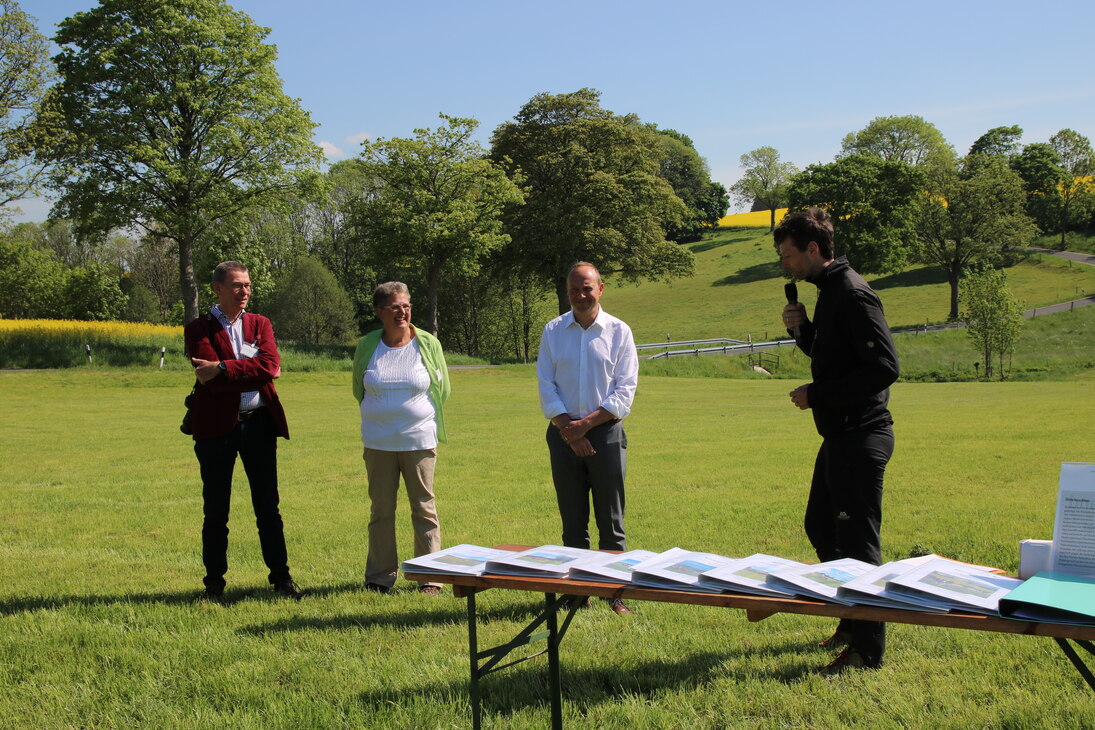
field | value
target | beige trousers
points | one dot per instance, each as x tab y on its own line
384	469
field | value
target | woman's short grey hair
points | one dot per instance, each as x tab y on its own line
387	290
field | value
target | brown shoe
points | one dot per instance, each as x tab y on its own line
848	659
837	640
377	588
430	590
618	606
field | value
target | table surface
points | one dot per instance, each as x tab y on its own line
757	608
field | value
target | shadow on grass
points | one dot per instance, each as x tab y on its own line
915	277
231	596
756	272
512	691
441	612
724	237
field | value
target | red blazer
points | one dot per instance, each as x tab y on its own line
216	404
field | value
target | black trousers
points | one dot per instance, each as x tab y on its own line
844	514
601	476
255	441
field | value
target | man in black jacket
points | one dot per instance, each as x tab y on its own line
853	362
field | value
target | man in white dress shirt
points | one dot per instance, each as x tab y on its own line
588	369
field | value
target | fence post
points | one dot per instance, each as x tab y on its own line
163	351
88	348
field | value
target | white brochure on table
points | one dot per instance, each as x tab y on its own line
747	575
458	559
950	585
678	569
546	561
870	589
1074	527
612	567
821	580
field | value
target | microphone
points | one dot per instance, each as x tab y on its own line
790	290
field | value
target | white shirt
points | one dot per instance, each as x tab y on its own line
252	399
581	370
396	411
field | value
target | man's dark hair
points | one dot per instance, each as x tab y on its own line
801	228
221	272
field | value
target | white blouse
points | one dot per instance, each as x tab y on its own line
396	412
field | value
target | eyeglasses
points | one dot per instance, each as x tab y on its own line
397	308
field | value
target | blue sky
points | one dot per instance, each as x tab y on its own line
733	76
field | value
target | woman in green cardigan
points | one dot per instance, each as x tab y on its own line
401	383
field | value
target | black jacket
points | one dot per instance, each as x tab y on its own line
852	356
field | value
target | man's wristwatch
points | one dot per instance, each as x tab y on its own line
220	365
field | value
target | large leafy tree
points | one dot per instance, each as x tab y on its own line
873	203
765	181
681	165
1003	141
595	192
909	139
437	205
26	121
1040	168
175	119
972	212
1076	188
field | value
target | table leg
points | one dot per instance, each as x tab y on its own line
555	686
473	651
1076	660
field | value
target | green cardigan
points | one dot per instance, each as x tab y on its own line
432	357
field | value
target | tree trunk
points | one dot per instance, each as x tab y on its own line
433	284
187	286
561	293
954	273
772	223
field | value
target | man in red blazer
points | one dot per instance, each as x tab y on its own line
235	410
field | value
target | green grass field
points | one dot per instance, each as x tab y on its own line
99	561
738	291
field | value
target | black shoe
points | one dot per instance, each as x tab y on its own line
210	595
288	589
377	588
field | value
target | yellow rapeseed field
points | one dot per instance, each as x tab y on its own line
756	219
90	330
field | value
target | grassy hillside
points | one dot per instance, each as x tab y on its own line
738	291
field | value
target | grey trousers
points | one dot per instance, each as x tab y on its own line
600	476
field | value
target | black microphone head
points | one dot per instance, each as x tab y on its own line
791	290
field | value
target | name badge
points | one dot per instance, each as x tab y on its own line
248	350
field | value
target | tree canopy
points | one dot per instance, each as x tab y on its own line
437	205
27	124
873	205
594	192
909	139
971	212
174	120
681	165
765	181
1002	141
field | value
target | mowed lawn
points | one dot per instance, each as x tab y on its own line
99	563
737	291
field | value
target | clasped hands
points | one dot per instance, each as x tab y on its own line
574	435
206	370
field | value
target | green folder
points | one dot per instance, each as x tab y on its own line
1052	597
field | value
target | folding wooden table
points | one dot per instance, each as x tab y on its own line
559	596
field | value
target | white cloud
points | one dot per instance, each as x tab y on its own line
358	138
331	151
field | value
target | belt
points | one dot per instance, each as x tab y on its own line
248	415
